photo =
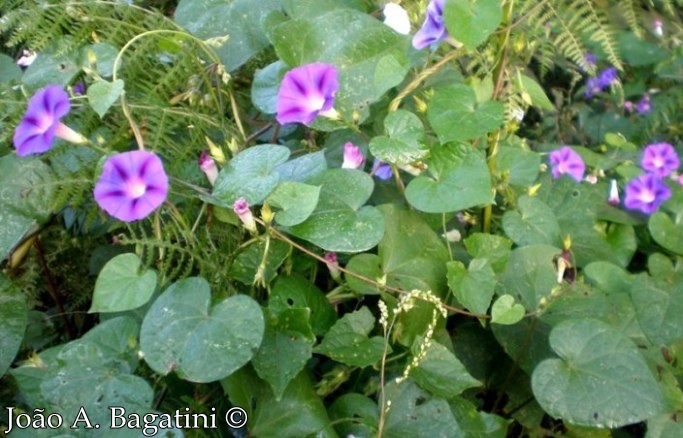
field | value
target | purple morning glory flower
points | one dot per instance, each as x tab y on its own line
590	59
644	105
607	77
381	170
353	156
79	88
566	161
433	29
305	92
41	123
646	193
660	159
132	185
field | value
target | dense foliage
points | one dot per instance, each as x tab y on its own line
345	217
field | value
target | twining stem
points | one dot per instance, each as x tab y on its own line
499	75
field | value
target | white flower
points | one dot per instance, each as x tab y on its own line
27	58
396	18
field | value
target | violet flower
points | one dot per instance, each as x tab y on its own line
590	59
566	161
646	193
381	170
660	159
41	123
433	29
79	88
132	185
353	156
644	105
208	166
593	87
243	212
307	91
607	77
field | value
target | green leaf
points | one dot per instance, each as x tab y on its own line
454	169
298	413
519	166
535	92
455	114
340	222
25	193
297	292
9	70
311	8
103	56
526	342
250	175
246	265
102	95
495	249
371	58
296	202
659	304
13	320
121	286
442	374
238	20
600	378
302	168
505	311
347	341
473	287
417	413
367	265
476	424
666	232
405	141
287	345
534	223
362	409
413	256
56	64
182	333
530	274
265	86
472	21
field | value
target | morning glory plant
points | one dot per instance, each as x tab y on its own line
646	193
41	123
433	29
566	161
132	185
306	92
353	157
660	159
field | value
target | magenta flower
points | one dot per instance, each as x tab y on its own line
607	77
566	161
243	212
613	197
41	123
305	92
208	166
660	159
381	170
646	193
353	156
433	29
333	265
132	185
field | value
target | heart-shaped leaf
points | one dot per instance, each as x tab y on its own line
472	21
102	95
455	114
405	141
13	319
666	232
250	175
340	222
473	287
533	223
265	87
459	179
505	311
182	333
121	286
296	201
600	378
